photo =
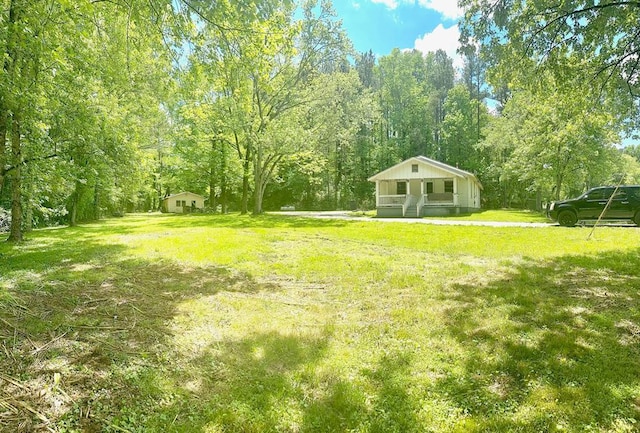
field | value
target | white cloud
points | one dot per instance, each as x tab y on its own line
441	39
391	4
447	8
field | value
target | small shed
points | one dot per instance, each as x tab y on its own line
183	202
422	186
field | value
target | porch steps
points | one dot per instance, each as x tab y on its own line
412	212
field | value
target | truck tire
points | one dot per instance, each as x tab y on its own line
567	218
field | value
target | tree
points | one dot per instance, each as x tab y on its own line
407	84
552	143
459	129
78	108
441	75
265	62
604	33
341	117
365	65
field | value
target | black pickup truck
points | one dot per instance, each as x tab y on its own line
625	205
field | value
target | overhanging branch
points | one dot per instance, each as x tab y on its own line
8	169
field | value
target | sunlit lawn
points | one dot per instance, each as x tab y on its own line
497	215
283	324
503	215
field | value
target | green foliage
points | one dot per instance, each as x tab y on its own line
517	33
554	143
77	108
464	119
109	107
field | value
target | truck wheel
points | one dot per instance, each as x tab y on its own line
566	218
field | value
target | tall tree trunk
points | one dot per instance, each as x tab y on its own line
257	181
263	173
212	192
3	144
246	172
96	202
336	178
223	179
75	199
212	176
159	180
16	182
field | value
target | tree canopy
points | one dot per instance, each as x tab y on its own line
108	107
603	34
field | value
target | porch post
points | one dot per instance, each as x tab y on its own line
377	193
455	191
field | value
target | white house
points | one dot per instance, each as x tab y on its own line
183	202
421	186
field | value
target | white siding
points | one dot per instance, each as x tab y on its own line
174	202
424	171
463	192
466	185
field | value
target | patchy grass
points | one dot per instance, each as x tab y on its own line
156	323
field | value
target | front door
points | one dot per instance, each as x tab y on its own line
415	187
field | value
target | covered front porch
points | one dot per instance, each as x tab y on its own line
416	197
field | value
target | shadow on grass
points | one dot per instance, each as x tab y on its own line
96	347
133	223
550	346
78	323
89	342
274	382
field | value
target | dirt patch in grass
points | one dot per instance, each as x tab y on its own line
66	345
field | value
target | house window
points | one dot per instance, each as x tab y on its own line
414	168
448	186
429	187
177	203
401	188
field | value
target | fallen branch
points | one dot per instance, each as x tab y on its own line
41	348
12	381
40	416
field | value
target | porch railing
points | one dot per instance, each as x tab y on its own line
406	204
420	204
392	200
439	199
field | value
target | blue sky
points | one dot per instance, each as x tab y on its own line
381	25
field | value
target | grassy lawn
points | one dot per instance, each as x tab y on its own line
160	323
503	215
496	215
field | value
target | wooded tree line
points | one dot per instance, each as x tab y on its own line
108	106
